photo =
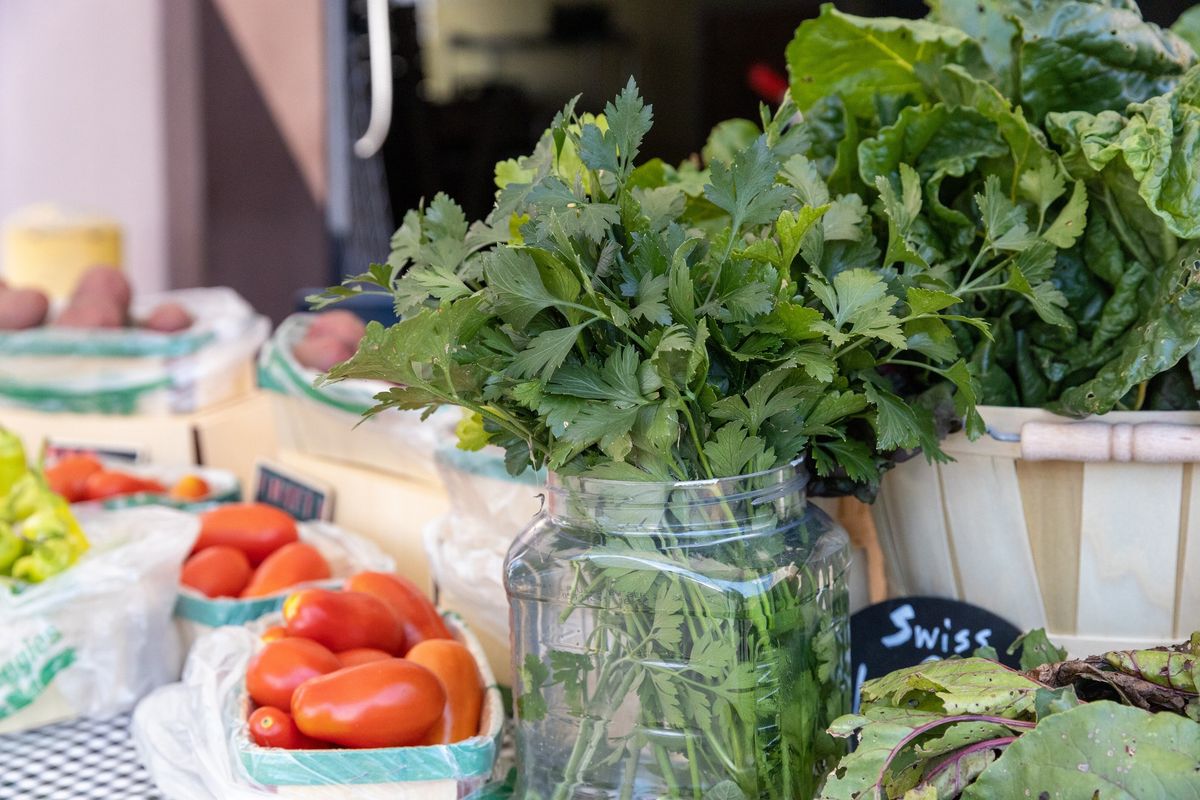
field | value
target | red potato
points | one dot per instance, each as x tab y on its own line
168	318
345	326
104	282
22	308
323	352
89	313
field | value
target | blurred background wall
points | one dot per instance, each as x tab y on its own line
219	132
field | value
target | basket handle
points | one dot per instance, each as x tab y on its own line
1148	442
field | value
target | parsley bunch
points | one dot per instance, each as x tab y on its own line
646	322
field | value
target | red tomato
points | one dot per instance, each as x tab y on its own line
105	484
256	529
419	616
69	476
274	632
343	620
455	667
217	572
289	565
270	727
190	488
282	665
389	703
361	655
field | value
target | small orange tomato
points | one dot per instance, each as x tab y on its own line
343	620
69	476
284	664
455	667
217	572
289	565
389	703
190	488
416	613
361	655
274	632
270	727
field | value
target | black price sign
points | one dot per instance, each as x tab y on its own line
908	631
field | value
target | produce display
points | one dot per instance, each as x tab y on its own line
362	668
250	550
1033	160
39	536
1121	724
84	478
100	300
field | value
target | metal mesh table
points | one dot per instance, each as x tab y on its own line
86	759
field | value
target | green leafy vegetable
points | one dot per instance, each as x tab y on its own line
615	318
1038	160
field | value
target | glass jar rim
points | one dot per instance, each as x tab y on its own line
555	479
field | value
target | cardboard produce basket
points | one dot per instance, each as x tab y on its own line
1090	529
136	371
328	422
193	739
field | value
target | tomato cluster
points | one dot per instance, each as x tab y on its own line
250	550
81	477
370	666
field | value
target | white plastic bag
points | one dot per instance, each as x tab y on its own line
192	738
467	546
94	639
346	552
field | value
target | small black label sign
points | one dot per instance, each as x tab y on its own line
302	497
910	630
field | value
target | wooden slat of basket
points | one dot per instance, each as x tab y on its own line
1130	541
1187	601
912	532
1052	493
991	546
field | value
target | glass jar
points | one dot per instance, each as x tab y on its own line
679	640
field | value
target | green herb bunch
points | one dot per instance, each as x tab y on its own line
1121	724
646	322
1037	159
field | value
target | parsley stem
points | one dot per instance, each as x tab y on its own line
691	423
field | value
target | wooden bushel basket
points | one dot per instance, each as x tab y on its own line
1090	529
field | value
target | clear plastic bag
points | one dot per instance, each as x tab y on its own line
192	738
468	545
135	371
346	552
328	422
94	639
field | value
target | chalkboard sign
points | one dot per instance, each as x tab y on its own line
911	630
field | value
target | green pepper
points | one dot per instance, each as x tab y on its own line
12	461
11	548
49	558
27	495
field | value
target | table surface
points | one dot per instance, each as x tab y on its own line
87	759
92	759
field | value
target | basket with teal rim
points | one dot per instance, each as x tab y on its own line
133	370
328	422
463	767
223	487
346	552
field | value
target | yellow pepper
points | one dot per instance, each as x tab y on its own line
12	461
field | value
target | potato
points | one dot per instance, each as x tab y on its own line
99	313
168	318
340	324
322	352
22	308
104	282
